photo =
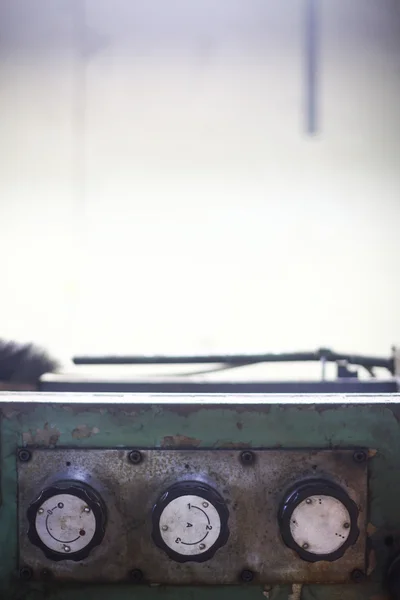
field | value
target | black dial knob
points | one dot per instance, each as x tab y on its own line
318	520
190	522
67	520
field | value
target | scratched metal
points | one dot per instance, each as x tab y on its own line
252	493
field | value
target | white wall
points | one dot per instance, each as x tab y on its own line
158	192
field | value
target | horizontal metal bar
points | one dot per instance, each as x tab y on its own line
233	387
28	400
239	359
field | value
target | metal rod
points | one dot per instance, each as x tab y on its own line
311	87
323	368
367	386
239	359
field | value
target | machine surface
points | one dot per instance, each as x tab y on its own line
138	496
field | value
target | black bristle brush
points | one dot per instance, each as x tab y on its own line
24	364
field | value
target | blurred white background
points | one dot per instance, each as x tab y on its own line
158	191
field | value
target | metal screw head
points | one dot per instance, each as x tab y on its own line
164	527
135	457
25	573
359	456
86	509
136	576
202	546
305	546
358	576
247	457
247	576
24	455
346	525
41	511
308	501
66	548
205	504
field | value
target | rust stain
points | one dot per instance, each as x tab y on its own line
83	431
296	591
221	445
109	409
372	452
185	410
371	529
179	441
48	436
8	412
319	408
322	566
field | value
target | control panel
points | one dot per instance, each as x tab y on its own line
207	517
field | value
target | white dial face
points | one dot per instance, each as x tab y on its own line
65	523
320	524
190	525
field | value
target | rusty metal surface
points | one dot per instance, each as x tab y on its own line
252	492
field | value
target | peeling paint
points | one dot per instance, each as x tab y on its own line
179	441
84	431
267	590
296	591
8	412
372	452
231	445
48	436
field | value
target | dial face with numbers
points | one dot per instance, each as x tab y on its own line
65	524
190	525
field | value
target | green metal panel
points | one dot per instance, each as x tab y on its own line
216	422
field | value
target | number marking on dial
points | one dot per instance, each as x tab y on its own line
187	528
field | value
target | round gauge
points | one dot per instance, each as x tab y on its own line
319	520
190	522
67	520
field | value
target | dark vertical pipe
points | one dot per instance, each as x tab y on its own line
311	86
79	19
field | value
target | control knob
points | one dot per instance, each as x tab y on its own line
67	520
318	520
190	522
